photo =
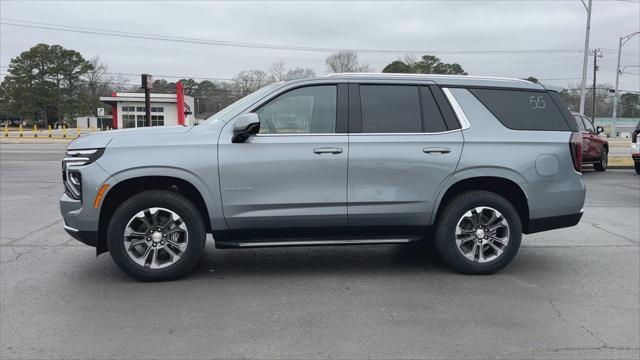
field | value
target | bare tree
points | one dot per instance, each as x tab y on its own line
298	71
99	82
410	59
345	61
249	81
278	71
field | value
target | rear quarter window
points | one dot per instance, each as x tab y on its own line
523	110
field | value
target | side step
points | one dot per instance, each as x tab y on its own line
333	242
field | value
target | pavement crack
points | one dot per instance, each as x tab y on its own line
598	226
587	330
33	232
20	254
589	348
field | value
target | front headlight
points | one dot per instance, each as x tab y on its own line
71	166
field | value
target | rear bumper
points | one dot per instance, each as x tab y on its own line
552	222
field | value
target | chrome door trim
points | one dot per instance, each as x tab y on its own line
464	121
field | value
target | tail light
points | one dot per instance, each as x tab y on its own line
575	146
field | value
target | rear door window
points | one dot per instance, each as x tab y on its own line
432	120
390	109
523	110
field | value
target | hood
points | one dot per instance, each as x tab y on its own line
103	138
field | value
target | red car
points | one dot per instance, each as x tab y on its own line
595	147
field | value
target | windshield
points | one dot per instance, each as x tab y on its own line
239	106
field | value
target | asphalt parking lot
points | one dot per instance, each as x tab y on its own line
570	293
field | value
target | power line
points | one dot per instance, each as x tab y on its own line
563	58
180	39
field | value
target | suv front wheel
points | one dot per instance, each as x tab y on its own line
156	235
478	232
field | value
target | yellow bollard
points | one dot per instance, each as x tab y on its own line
78	128
49	130
64	131
6	130
20	130
35	131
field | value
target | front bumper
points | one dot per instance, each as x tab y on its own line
80	217
86	237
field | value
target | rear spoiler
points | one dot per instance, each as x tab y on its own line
552	87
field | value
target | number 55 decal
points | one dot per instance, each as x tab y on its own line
536	102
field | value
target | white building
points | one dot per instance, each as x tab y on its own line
128	109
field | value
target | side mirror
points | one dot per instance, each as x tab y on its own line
245	126
599	129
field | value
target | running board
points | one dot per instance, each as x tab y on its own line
257	244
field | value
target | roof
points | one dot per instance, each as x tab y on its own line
139	97
453	80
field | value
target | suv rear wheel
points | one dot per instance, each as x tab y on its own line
604	161
156	235
479	232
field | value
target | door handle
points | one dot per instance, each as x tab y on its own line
436	150
327	150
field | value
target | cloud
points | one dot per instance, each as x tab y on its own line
419	25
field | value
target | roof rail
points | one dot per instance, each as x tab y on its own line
444	76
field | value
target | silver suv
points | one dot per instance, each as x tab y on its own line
471	163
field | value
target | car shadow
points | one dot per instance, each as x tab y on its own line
320	259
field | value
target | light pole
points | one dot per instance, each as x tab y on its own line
623	40
596	54
583	86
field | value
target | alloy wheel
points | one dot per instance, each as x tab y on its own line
156	238
482	234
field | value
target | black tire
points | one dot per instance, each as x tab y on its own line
163	199
602	164
637	166
454	210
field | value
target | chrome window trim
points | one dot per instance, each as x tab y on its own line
462	117
359	134
405	134
299	134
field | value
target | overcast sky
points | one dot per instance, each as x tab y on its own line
437	27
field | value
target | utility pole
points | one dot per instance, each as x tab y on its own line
147	84
623	40
583	86
596	54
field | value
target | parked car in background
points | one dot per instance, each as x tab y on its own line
635	148
472	162
595	147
